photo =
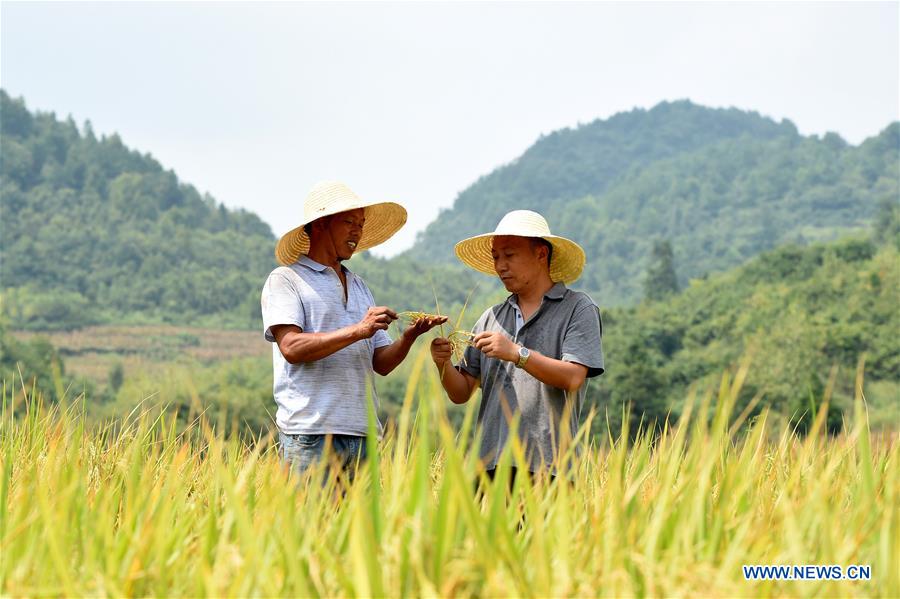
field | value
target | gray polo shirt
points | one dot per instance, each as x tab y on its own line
566	327
330	394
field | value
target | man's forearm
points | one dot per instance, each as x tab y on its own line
309	347
567	376
455	383
388	357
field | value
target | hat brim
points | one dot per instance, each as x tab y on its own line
382	221
566	265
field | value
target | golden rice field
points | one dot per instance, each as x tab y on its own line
144	508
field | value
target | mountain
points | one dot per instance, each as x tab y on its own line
720	185
95	232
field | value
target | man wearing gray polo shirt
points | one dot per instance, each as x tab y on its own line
328	336
532	352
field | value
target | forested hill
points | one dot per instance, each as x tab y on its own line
721	185
801	315
93	232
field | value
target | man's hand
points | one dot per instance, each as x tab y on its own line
423	325
496	345
441	351
377	318
459	385
388	357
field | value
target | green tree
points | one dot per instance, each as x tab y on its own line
116	377
639	388
661	280
887	220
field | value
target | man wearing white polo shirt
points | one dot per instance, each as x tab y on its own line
329	336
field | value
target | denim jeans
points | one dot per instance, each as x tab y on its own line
301	452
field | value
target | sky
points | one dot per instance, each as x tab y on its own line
413	102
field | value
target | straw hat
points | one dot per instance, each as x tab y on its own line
331	197
565	265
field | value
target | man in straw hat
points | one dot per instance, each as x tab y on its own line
329	337
531	353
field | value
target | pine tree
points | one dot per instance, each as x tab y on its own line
661	280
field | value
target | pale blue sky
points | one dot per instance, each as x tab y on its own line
254	103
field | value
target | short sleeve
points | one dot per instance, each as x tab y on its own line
281	303
381	339
582	343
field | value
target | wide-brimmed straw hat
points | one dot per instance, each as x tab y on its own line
566	263
383	219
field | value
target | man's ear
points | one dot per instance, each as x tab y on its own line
542	252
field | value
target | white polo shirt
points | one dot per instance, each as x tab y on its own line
328	395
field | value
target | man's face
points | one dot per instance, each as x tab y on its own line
517	261
343	231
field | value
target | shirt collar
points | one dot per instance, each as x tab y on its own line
310	263
557	292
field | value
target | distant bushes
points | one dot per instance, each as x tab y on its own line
795	313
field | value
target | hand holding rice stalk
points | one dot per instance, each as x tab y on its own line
409	318
459	338
419	323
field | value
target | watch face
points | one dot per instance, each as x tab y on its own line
523	357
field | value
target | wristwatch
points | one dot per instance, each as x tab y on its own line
524	354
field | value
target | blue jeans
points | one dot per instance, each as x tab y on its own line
301	452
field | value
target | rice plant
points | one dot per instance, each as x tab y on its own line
137	508
409	317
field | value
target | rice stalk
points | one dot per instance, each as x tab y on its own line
136	509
